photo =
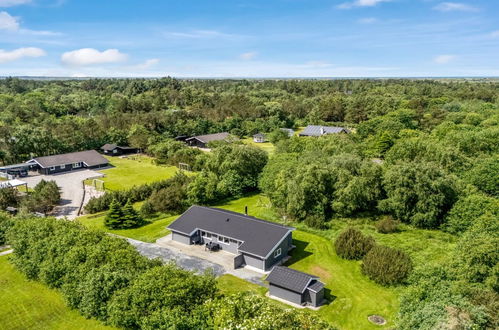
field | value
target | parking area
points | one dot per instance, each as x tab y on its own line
71	187
219	258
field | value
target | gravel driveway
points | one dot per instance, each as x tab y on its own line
71	187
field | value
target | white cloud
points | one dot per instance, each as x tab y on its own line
9	56
10	3
147	64
8	22
444	59
361	3
495	34
368	20
248	56
90	56
454	6
197	34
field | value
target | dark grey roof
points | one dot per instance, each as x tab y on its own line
14	166
290	279
290	131
316	287
313	130
259	135
89	157
210	137
259	237
109	147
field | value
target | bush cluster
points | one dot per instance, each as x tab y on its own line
387	225
352	244
135	194
105	278
386	266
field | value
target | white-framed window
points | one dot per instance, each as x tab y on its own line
52	168
77	165
277	252
224	240
203	234
63	166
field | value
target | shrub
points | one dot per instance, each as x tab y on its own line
315	221
5	224
114	216
387	225
9	197
352	244
467	210
386	266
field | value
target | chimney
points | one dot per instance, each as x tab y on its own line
246	210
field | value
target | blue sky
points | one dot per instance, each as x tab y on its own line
249	38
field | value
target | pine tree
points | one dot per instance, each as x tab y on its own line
114	218
131	218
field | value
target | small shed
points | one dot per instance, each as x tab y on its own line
13	184
289	131
295	287
259	138
116	150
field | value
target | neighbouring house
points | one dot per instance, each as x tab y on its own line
116	150
253	242
68	162
313	130
202	141
259	138
290	131
295	287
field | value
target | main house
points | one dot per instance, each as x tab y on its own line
201	141
254	242
313	130
68	162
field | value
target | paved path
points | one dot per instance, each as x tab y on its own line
4	253
197	265
192	263
71	187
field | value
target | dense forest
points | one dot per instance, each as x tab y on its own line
422	152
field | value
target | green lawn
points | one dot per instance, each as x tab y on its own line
148	233
267	146
31	305
353	296
128	172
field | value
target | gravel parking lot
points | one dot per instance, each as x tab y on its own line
71	187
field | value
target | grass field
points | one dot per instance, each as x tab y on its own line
31	305
267	146
354	297
127	172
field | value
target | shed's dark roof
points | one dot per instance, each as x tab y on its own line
316	287
259	135
210	137
109	146
313	130
14	166
290	279
89	157
259	237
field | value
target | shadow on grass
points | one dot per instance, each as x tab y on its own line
329	298
298	253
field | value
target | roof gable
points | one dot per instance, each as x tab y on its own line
290	279
259	237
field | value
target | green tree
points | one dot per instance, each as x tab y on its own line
485	175
419	193
114	217
467	210
129	217
386	266
352	244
